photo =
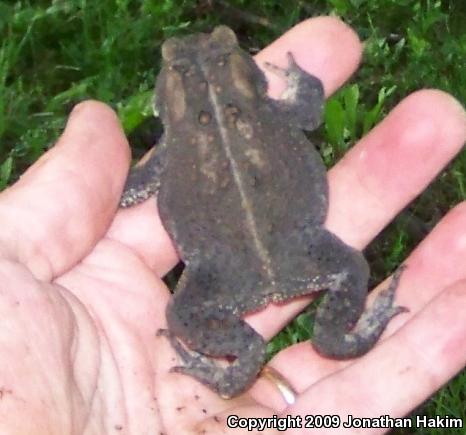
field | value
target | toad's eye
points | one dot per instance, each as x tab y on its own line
183	67
222	60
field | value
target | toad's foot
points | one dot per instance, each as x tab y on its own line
355	341
227	381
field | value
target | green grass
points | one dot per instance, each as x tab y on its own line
54	54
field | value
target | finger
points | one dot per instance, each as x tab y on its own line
324	46
140	228
381	174
437	263
64	203
392	164
417	360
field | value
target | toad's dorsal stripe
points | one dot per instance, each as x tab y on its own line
236	172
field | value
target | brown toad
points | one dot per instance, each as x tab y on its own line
243	195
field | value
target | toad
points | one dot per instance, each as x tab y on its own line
244	196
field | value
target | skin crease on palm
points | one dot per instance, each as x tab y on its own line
81	296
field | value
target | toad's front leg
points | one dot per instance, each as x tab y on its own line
303	100
144	179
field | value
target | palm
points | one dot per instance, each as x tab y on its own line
90	302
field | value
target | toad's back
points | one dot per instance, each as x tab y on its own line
239	179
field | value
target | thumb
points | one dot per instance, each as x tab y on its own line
64	203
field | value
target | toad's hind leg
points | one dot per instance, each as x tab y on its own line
210	331
343	328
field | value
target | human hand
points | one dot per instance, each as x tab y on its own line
81	299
